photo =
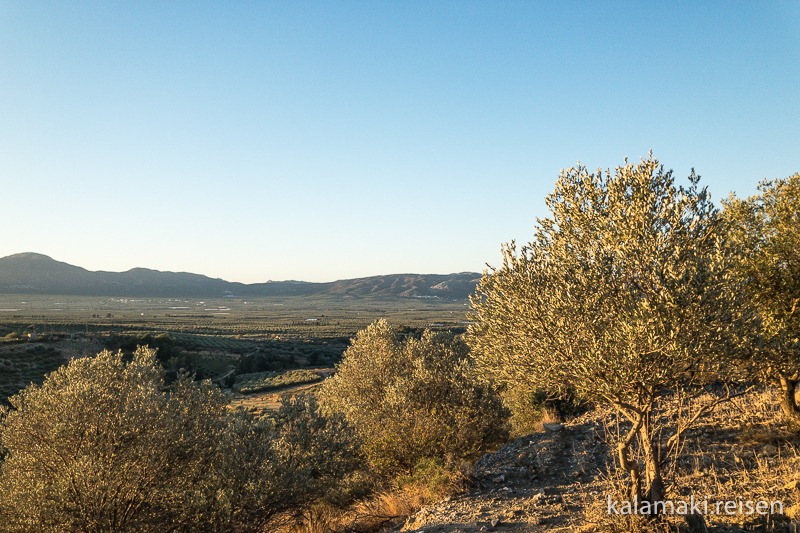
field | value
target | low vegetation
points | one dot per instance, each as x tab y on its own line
637	335
104	445
414	402
23	364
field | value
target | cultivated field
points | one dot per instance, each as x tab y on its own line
260	318
221	339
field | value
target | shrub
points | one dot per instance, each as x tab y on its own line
317	451
432	479
529	410
105	445
100	446
273	466
413	399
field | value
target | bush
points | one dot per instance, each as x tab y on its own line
100	446
432	479
279	465
42	350
317	451
529	410
413	399
104	445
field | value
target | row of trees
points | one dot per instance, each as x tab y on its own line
635	290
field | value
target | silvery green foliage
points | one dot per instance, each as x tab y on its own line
104	445
413	399
625	291
765	238
620	294
101	446
280	464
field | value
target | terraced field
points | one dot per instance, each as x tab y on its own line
267	381
22	364
265	401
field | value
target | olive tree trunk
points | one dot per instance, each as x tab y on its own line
788	400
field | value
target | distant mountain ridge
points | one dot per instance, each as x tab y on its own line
32	273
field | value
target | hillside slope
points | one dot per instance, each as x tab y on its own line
560	480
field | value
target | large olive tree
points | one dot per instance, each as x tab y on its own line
765	237
620	296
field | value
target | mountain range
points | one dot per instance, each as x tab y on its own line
32	273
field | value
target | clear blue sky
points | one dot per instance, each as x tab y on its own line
328	140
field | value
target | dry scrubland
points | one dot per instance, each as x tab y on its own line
643	347
560	479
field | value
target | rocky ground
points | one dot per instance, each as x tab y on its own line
535	483
560	479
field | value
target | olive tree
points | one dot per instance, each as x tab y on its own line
279	466
104	445
99	446
620	296
413	399
765	236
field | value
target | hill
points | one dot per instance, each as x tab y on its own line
31	273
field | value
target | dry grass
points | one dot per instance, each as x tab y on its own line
549	416
744	450
379	512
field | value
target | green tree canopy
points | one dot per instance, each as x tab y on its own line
765	238
101	446
105	445
413	399
620	295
